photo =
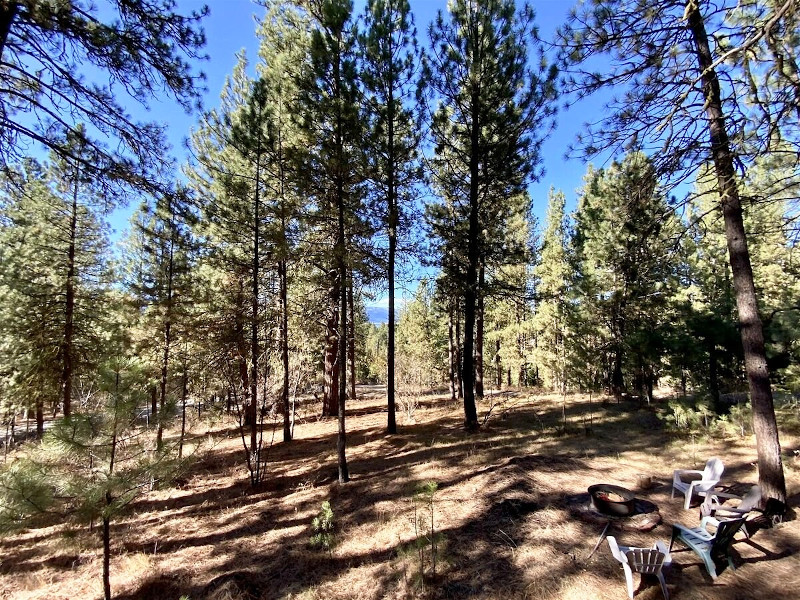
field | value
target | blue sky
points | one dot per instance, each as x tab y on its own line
231	27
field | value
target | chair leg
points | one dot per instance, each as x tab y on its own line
628	579
663	585
673	492
688	500
710	566
675	533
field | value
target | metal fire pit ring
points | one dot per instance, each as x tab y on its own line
615	508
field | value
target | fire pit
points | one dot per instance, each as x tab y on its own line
612	500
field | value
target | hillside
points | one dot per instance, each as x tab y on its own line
500	514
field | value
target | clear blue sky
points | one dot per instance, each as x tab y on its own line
231	27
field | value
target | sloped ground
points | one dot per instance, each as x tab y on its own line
502	525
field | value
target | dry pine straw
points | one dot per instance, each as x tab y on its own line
503	529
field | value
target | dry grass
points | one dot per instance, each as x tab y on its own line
500	512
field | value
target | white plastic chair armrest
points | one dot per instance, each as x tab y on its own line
696	532
686	472
616	550
678	473
705	485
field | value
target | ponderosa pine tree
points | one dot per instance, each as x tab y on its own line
673	60
56	222
492	111
283	50
162	280
389	74
333	166
553	273
231	148
623	229
31	327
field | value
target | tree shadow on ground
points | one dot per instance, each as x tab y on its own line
497	551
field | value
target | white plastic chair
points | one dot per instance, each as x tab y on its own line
709	477
647	561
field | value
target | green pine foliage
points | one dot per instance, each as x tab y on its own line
623	233
324	527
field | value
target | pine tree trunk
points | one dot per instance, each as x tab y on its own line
241	348
284	299
498	364
451	352
471	284
770	467
69	305
341	441
8	10
254	306
351	337
167	334
341	258
107	554
39	418
330	401
184	395
283	281
479	336
459	346
391	200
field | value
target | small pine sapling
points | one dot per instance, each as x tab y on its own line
323	524
425	526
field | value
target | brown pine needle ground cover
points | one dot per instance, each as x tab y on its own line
502	528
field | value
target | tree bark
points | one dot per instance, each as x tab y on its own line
391	200
451	352
330	397
39	418
479	331
471	284
241	349
351	337
69	304
498	364
8	10
254	306
770	467
184	395
283	282
459	352
284	299
167	329
341	259
107	554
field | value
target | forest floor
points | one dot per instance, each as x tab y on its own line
502	523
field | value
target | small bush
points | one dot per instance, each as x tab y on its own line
689	416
